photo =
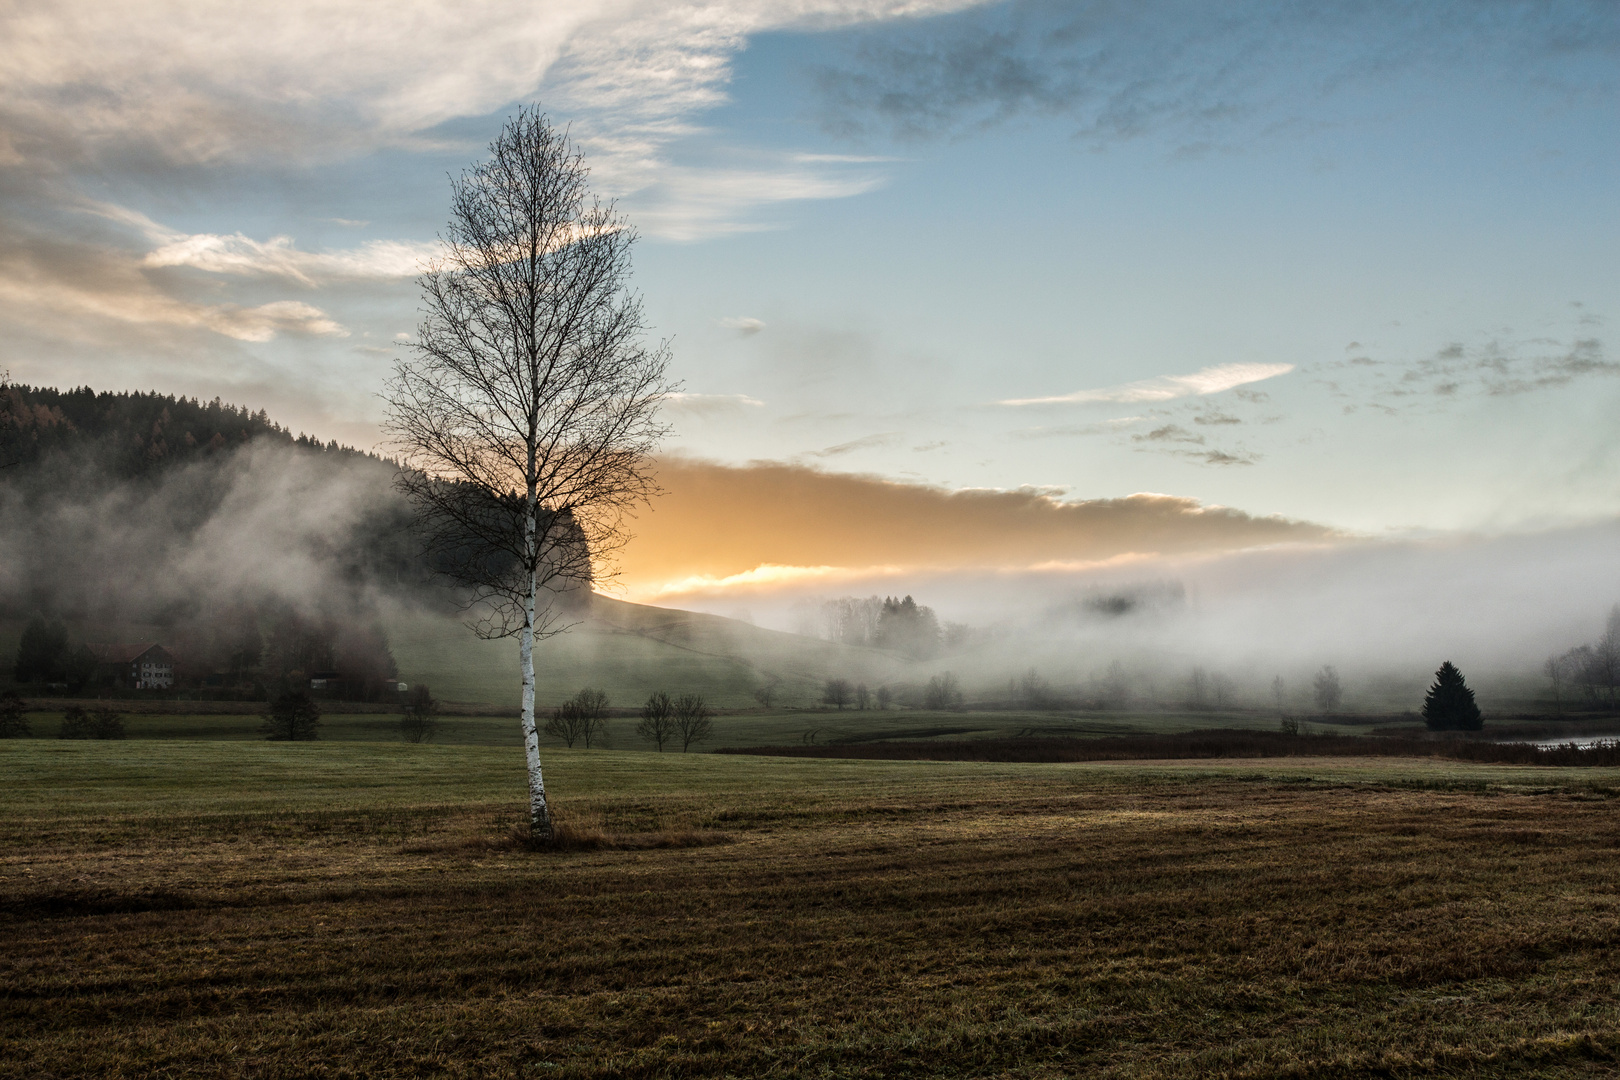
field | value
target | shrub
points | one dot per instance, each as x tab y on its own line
13	724
292	717
76	724
106	723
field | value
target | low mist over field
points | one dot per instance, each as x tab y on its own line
1147	600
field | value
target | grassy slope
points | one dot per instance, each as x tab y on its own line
218	909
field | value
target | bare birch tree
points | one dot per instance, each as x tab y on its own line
525	412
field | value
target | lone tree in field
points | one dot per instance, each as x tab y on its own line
292	717
1449	704
420	722
525	412
1329	691
692	715
657	724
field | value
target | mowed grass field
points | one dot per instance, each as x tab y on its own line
345	909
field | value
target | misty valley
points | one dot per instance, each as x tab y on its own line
898	540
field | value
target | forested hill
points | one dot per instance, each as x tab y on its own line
203	526
132	433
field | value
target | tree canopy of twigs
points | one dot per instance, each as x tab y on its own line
657	724
692	720
525	411
582	718
420	720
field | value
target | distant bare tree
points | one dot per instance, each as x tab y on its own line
1277	692
421	720
1116	685
943	692
582	718
863	697
1556	668
593	707
1606	656
1198	685
1329	691
657	724
883	695
526	412
1223	688
1581	666
766	692
836	692
1030	691
692	720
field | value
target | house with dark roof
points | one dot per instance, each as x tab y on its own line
142	666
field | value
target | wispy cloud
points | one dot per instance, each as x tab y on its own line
1206	75
710	404
865	442
280	257
745	325
1210	380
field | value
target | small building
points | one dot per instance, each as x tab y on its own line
143	666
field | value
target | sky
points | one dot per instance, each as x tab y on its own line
1346	268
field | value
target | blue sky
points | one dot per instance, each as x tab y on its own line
1381	237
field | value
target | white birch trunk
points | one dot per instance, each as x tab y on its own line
539	817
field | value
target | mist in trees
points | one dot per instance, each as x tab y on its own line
1327	688
943	692
901	625
1588	673
836	692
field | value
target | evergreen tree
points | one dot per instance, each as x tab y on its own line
1449	704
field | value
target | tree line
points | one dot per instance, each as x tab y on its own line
130	433
1589	674
664	721
245	650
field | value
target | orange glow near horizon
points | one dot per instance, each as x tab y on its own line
768	525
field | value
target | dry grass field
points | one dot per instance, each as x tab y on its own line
190	909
